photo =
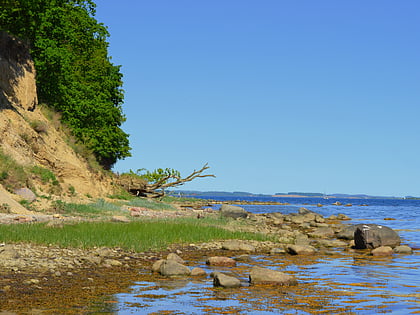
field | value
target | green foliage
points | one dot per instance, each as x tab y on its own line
45	175
12	175
158	175
74	72
72	190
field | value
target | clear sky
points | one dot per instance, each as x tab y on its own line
277	96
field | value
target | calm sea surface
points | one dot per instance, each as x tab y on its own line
344	282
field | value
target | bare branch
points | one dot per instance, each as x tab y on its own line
150	190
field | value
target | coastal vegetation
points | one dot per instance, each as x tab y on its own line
75	75
139	235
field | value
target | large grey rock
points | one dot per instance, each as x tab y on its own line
260	275
225	281
373	236
173	256
26	194
171	268
233	212
347	233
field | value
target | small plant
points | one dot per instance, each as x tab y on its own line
39	126
24	202
5	208
72	190
12	175
45	174
25	137
4	175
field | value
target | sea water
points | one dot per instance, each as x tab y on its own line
343	282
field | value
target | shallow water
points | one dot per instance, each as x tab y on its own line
350	282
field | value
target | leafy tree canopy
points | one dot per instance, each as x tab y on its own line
74	72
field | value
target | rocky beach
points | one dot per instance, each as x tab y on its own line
48	279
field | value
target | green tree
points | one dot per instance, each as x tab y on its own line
75	75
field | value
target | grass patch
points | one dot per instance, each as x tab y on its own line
91	210
150	204
12	175
45	175
137	235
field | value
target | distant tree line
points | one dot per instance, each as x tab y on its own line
75	75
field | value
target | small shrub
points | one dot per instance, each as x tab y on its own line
45	174
72	190
12	175
39	126
25	137
4	175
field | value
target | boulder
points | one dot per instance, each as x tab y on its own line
322	232
225	281
156	265
300	250
343	217
260	275
303	210
373	236
403	249
277	251
301	239
173	256
382	251
171	268
233	212
231	245
26	194
221	261
347	233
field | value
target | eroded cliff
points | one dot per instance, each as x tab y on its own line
35	142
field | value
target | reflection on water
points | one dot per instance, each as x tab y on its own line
350	282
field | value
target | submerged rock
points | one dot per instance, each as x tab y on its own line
198	272
225	281
382	251
403	249
259	275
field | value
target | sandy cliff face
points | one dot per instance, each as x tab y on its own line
28	136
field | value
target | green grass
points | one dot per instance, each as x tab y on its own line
137	235
97	209
150	204
12	175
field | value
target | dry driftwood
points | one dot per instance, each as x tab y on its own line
156	190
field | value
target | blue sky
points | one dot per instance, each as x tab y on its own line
277	96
